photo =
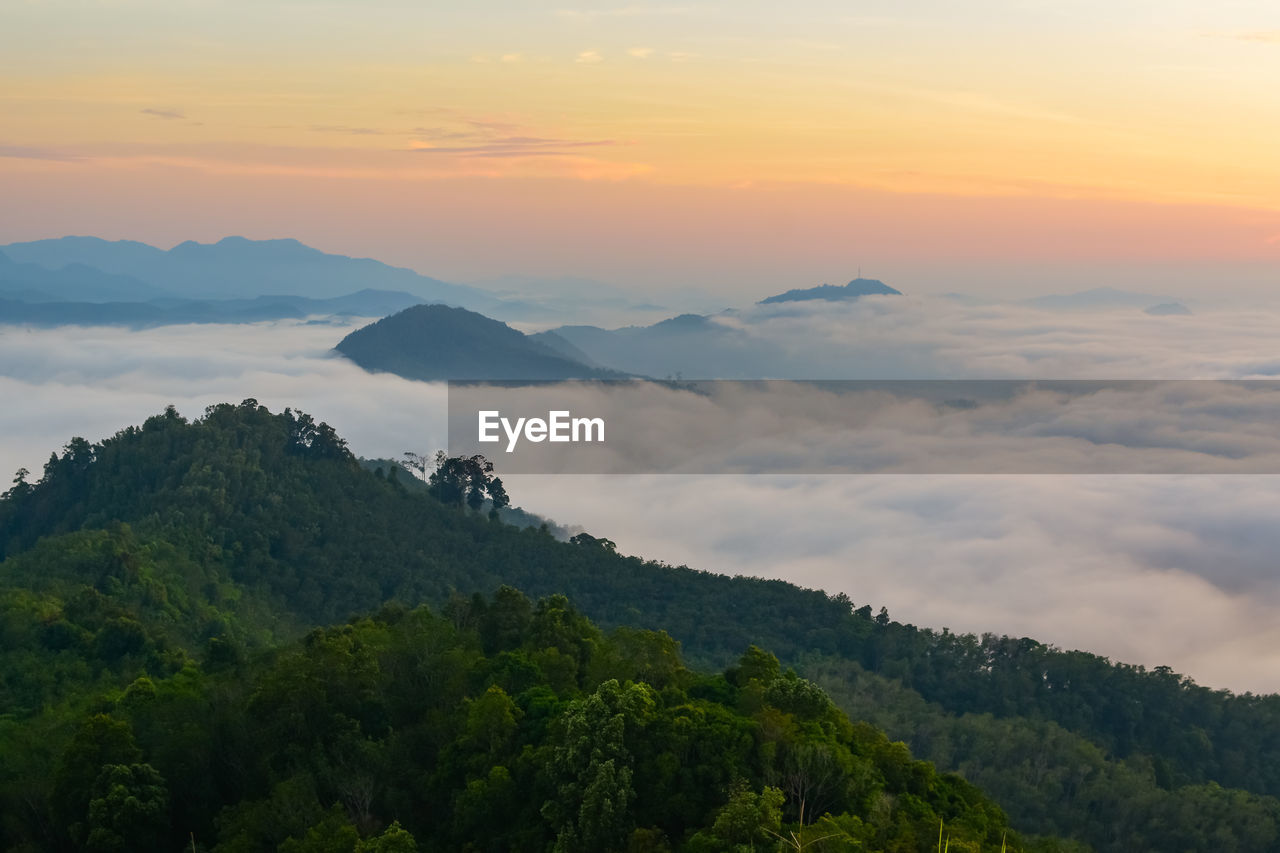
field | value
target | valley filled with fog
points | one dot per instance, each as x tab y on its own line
1171	570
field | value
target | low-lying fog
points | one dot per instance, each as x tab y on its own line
1152	569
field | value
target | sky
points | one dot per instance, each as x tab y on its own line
997	146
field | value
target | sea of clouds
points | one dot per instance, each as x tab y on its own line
1174	569
901	426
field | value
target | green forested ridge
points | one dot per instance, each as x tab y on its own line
1054	780
496	725
183	551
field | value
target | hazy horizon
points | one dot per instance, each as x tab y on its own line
1005	149
1205	283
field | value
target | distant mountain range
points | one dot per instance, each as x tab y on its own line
691	344
171	311
237	279
33	282
95	271
90	281
237	268
697	345
700	346
435	342
855	289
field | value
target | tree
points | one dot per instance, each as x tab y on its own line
394	839
468	480
755	665
21	488
748	818
592	768
491	722
586	540
333	834
308	438
416	463
811	775
100	742
129	810
505	622
498	495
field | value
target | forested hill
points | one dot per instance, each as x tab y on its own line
498	725
242	530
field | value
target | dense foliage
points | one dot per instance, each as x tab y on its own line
498	725
219	539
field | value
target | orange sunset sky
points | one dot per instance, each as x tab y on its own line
735	147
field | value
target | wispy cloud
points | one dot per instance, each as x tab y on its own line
640	52
493	125
475	145
442	133
499	144
165	114
542	140
37	152
589	56
515	146
340	128
473	122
